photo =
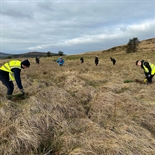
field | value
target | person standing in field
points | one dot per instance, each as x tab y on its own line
82	60
10	72
96	60
37	60
149	69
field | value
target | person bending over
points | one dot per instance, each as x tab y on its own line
10	72
149	69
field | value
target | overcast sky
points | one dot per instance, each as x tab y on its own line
73	26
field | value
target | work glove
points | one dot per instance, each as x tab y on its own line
145	80
22	91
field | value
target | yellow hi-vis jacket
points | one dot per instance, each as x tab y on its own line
10	65
152	68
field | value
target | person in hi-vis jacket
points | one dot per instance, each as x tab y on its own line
149	69
10	72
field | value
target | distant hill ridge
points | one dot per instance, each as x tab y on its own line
3	54
29	54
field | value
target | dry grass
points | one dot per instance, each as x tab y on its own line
81	109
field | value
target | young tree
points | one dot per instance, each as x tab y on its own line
132	45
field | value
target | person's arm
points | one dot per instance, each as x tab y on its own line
16	72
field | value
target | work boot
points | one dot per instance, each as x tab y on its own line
9	97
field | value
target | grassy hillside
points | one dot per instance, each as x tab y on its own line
81	109
144	45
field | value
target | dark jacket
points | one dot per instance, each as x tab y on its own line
113	60
96	60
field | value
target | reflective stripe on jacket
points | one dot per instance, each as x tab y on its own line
152	68
10	65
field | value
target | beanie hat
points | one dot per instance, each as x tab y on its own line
26	63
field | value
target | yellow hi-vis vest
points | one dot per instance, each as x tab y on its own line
10	65
152	68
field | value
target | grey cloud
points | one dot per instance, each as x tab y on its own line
45	6
123	28
15	10
16	14
74	26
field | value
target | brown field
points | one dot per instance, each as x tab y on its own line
82	109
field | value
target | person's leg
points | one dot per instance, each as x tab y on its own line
149	79
10	88
8	84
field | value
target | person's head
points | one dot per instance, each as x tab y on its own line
138	63
25	64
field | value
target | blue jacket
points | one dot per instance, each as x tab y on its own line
60	61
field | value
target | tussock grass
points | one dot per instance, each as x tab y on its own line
81	109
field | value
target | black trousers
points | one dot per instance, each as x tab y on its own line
96	62
149	79
9	84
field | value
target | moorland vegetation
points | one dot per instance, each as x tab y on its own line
82	109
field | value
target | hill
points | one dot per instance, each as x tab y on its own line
144	45
35	54
27	55
31	54
4	54
81	109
